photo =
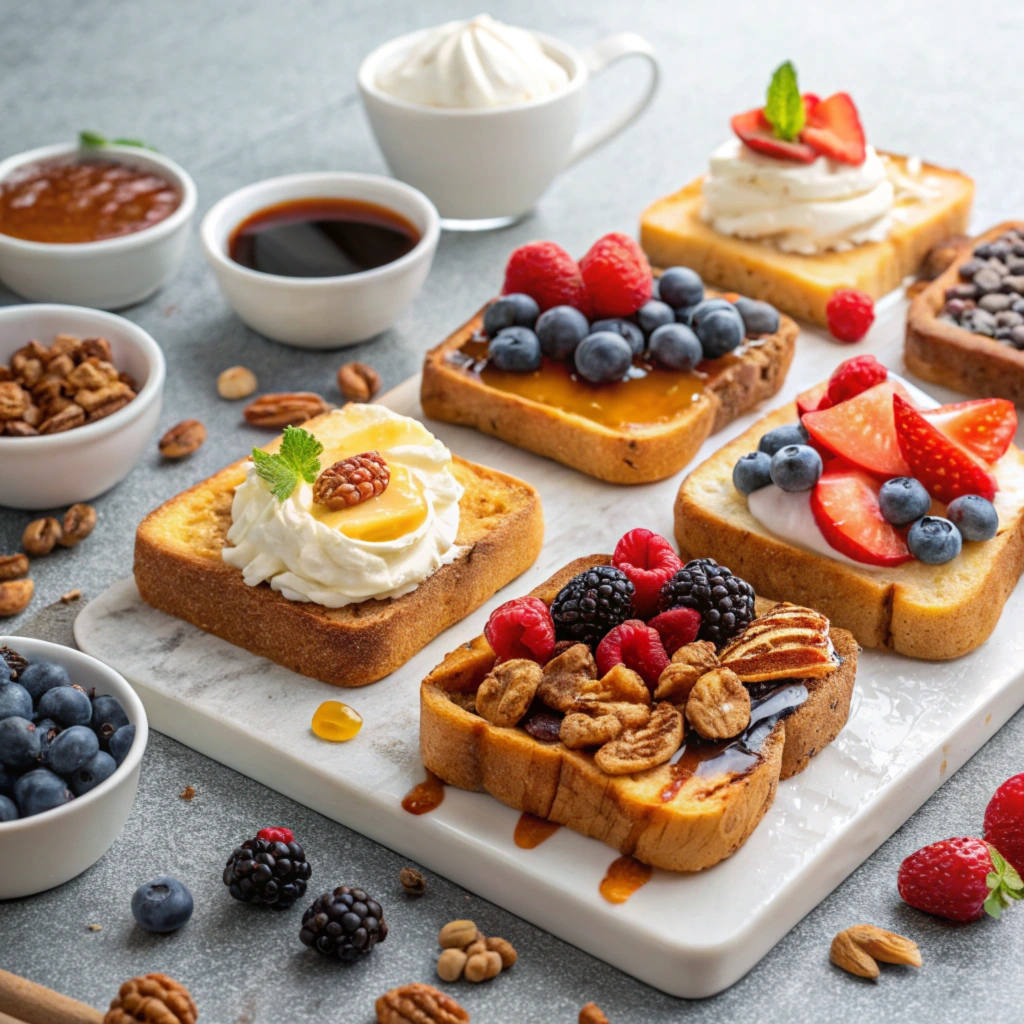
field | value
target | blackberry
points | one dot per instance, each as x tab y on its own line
591	604
346	924
725	602
268	870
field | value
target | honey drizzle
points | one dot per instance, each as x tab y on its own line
424	797
531	831
624	877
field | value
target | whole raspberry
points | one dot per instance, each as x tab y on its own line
677	627
548	274
1004	821
617	276
850	313
521	629
649	561
853	376
635	645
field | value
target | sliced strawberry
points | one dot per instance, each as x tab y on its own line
845	506
811	100
946	470
833	129
861	430
755	131
985	426
813	399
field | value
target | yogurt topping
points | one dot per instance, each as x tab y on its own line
472	64
384	547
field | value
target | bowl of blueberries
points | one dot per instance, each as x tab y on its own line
72	735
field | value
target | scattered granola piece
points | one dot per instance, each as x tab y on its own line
70	596
412	882
187	794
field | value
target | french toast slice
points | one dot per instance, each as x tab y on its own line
956	358
672	232
626	454
695	823
933	612
179	570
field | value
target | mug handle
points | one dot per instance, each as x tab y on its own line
600	56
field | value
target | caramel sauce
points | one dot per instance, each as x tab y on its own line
424	797
531	831
624	877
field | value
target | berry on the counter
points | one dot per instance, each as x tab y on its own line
1004	821
162	905
270	869
649	560
41	676
752	472
521	628
833	129
512	310
984	426
15	700
903	499
934	540
780	437
635	645
121	742
71	749
20	745
345	924
107	717
654	314
97	769
592	603
853	376
680	286
676	347
959	879
625	328
548	274
758	317
8	809
677	627
67	705
602	357
796	467
724	602
616	275
974	516
560	329
850	314
515	349
720	330
40	790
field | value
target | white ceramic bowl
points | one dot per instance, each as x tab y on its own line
51	848
111	273
59	469
321	312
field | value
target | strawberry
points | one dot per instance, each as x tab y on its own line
814	399
844	503
677	627
521	628
616	275
959	879
1004	821
985	426
755	131
945	468
548	274
635	645
853	376
649	561
833	129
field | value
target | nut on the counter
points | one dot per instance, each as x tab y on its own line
719	705
466	953
457	935
40	536
71	596
287	409
418	1004
182	439
236	382
505	950
12	567
15	596
857	950
412	881
79	522
152	999
592	1014
482	966
358	382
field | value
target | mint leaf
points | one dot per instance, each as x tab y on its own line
297	460
93	140
784	109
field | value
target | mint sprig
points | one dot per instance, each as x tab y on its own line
93	140
1005	885
298	459
784	109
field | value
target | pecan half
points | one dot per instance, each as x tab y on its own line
182	439
40	536
79	522
351	481
418	1004
14	400
69	417
286	409
13	566
857	949
93	398
358	382
652	744
101	412
15	596
688	664
236	382
565	676
581	730
719	705
618	684
507	693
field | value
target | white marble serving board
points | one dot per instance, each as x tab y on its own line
912	725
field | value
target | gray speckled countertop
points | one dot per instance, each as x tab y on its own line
240	90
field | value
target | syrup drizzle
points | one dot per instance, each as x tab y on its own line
531	831
624	877
424	797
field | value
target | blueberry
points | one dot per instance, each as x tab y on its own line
788	433
516	349
8	809
72	748
603	356
796	467
97	769
121	742
752	472
39	791
560	329
903	499
5	672
515	310
934	540
684	314
19	743
48	731
15	700
626	328
705	307
66	705
107	717
41	676
974	516
758	317
680	286
719	330
654	314
655	289
162	905
676	347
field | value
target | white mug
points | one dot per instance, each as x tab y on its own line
487	167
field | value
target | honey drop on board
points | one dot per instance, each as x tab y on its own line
531	831
336	722
625	876
424	797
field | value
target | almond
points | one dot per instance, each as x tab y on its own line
857	949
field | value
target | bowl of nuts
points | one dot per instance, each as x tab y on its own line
80	396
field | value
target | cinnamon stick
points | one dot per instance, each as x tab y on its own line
29	1003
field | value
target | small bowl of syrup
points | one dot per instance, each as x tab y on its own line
321	260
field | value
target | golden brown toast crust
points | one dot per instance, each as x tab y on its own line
953	357
709	818
179	569
636	455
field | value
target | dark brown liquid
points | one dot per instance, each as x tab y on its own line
531	831
625	875
321	238
424	797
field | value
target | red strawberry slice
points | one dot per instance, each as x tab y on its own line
985	426
946	470
861	430
813	399
833	129
755	131
845	507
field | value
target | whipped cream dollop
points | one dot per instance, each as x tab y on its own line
384	547
476	63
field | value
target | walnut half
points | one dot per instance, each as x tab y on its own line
506	694
652	744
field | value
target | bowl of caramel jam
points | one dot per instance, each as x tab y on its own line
103	227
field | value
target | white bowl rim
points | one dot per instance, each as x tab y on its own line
366	78
216	252
135	239
136	713
135	335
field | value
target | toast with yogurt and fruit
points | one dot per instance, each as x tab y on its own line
798	205
648	704
340	549
900	519
603	368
